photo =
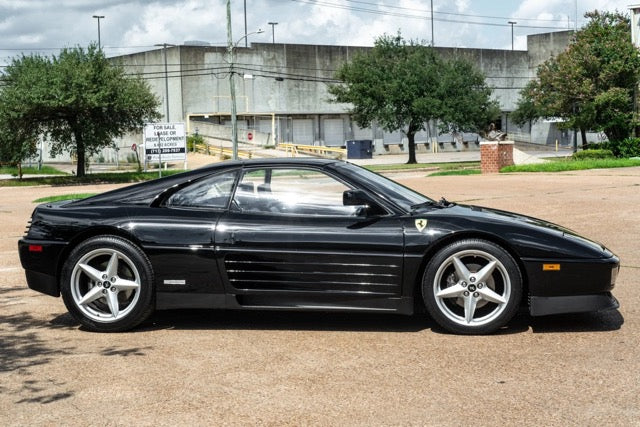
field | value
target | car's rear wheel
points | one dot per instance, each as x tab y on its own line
107	284
472	287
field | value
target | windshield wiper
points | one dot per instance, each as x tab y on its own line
440	204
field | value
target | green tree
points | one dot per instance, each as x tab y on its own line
17	142
591	84
403	85
78	100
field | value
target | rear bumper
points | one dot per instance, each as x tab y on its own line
40	264
542	306
44	283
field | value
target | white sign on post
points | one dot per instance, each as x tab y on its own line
164	142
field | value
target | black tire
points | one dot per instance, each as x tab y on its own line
464	294
107	284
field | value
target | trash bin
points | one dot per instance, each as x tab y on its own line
359	149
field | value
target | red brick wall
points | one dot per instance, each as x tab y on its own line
495	155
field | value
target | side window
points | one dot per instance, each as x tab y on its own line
210	192
292	191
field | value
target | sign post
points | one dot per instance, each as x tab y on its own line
164	142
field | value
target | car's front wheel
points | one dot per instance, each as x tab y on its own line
107	284
472	286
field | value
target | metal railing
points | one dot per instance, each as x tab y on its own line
293	150
223	152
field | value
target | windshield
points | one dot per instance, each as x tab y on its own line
391	190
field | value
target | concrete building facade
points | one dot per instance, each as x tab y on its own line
282	96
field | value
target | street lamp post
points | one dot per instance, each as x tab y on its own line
166	99
99	17
232	86
166	76
512	24
273	32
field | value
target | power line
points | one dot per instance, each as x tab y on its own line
427	11
414	16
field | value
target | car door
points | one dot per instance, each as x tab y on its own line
178	234
289	240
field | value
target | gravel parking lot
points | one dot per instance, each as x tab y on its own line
215	367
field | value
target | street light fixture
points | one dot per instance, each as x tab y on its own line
273	33
99	17
512	24
232	87
232	90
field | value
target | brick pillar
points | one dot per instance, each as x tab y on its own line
495	155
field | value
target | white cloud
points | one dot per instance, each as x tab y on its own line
40	24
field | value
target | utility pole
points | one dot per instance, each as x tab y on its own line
246	40
232	85
273	33
431	23
99	17
512	24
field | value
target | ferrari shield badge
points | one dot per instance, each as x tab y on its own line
421	224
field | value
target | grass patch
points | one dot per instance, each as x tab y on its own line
64	197
573	165
457	172
95	178
46	170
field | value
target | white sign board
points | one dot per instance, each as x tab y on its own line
164	142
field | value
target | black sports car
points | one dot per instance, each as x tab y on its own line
305	234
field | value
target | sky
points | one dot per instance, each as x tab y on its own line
46	26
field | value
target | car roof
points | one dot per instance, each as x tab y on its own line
284	161
145	192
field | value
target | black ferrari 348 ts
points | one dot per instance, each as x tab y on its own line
305	234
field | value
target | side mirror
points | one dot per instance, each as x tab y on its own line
360	198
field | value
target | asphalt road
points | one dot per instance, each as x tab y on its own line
215	367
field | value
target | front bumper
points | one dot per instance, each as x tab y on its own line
543	306
569	277
571	286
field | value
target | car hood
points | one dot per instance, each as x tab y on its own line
531	237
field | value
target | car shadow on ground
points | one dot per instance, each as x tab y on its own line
285	320
366	322
600	321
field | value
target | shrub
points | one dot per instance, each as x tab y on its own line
593	154
626	148
193	140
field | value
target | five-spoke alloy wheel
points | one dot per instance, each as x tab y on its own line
472	287
107	284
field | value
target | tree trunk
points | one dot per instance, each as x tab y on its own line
80	152
411	136
583	134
